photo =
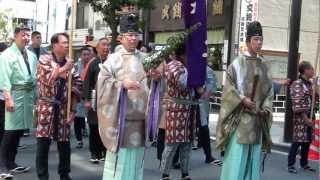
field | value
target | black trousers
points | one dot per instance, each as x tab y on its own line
203	136
79	126
96	146
2	110
304	151
43	146
204	140
9	148
161	146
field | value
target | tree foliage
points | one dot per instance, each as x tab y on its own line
109	9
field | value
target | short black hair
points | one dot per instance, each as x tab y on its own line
304	65
3	46
101	39
180	50
35	33
55	37
21	28
85	48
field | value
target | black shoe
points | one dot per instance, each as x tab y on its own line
6	176
292	169
26	134
186	178
308	168
65	177
165	177
23	146
94	159
79	145
214	161
19	170
194	147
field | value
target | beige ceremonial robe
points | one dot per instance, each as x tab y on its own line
120	66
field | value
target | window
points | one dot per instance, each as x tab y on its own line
82	16
215	52
27	22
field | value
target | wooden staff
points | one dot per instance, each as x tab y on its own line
317	77
72	28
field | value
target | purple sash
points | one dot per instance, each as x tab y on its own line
121	123
122	116
153	114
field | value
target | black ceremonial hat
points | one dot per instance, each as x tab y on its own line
254	29
129	23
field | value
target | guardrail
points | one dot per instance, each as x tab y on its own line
279	103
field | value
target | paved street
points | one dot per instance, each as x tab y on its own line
83	170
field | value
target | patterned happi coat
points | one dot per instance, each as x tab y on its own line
301	94
46	102
178	116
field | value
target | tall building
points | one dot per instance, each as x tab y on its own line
88	23
45	16
274	16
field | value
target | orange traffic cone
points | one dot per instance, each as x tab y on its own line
315	145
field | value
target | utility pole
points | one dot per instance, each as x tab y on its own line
230	23
47	30
146	38
293	61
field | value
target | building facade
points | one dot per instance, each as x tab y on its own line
167	19
45	16
88	23
275	18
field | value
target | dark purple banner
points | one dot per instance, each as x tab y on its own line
195	11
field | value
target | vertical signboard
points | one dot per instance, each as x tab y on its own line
248	13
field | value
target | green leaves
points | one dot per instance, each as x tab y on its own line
173	43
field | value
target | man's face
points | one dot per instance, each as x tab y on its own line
129	41
103	48
255	43
22	38
36	40
62	47
85	56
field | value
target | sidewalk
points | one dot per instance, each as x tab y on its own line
277	130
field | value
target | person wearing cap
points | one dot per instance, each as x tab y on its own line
122	100
17	80
243	129
90	76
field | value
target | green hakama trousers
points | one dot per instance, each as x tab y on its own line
241	161
129	165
